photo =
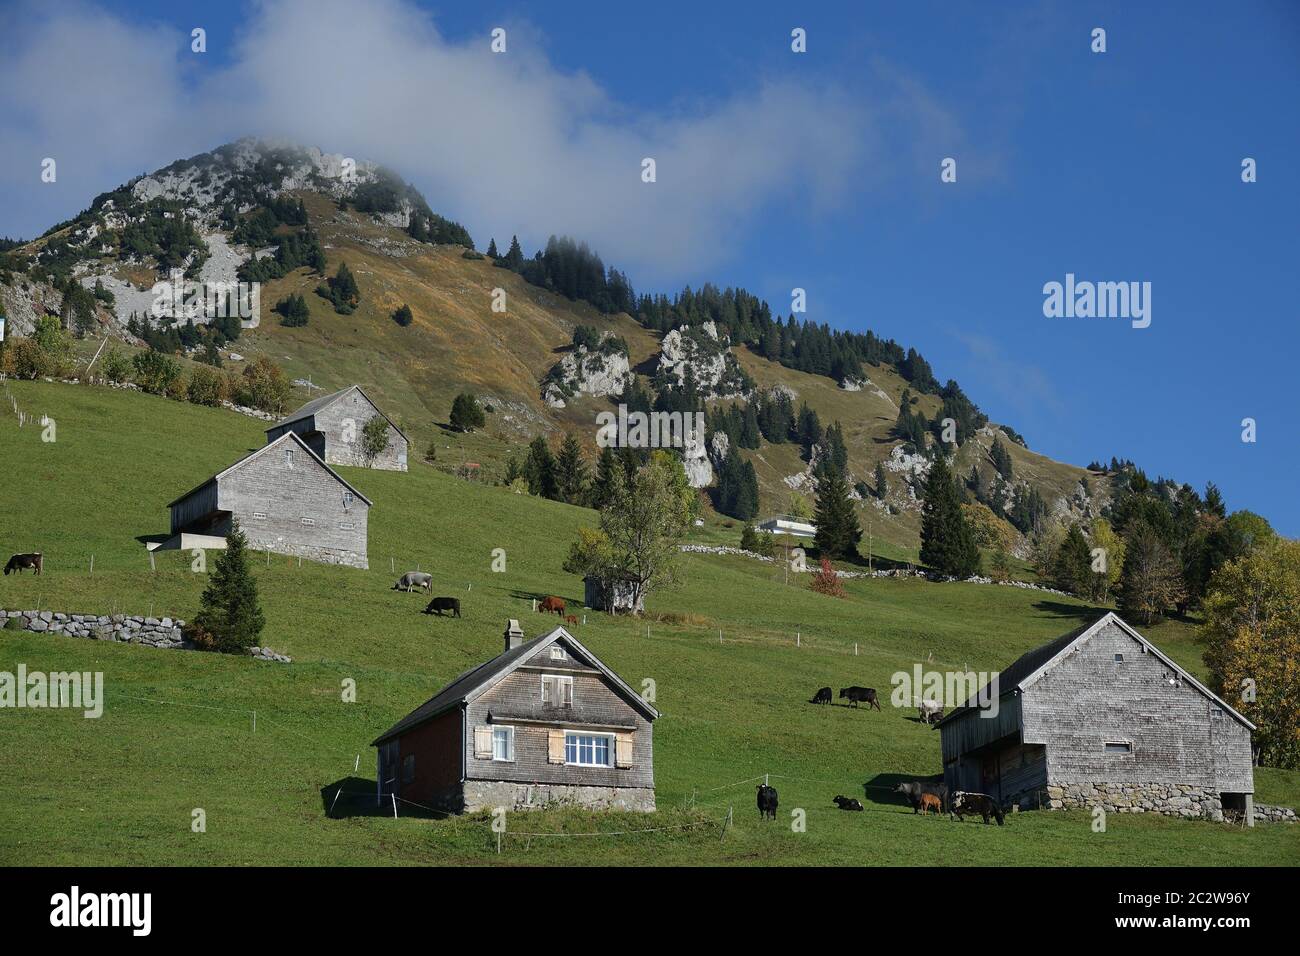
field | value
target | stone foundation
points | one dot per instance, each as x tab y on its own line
1267	813
487	795
350	559
1171	799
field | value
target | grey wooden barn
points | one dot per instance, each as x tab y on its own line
286	500
1100	717
543	722
333	425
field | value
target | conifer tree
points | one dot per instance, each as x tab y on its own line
947	541
608	472
229	615
882	483
492	249
539	470
571	471
838	532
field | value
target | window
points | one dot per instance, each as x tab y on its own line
503	743
1119	658
347	526
586	750
408	768
347	500
259	515
288	457
557	691
557	653
1118	748
309	522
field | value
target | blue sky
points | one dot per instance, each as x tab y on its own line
778	170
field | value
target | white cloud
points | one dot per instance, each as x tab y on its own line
504	143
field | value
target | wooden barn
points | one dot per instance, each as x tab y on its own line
332	427
612	594
286	500
1100	717
542	722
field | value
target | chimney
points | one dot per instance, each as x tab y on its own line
514	634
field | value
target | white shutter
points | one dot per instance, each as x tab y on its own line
483	743
623	750
555	746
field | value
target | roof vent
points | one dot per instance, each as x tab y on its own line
514	634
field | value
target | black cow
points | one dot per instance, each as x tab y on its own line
766	802
914	790
860	694
980	803
823	696
440	604
847	803
20	561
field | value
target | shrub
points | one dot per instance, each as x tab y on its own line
178	389
466	415
263	386
116	366
208	387
403	316
431	453
826	581
155	372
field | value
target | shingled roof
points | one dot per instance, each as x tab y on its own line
474	681
316	404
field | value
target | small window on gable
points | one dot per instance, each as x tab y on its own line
1119	658
557	653
347	500
1119	747
288	457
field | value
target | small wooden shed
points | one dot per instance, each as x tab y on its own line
612	594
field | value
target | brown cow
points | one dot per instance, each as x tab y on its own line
552	603
20	561
571	619
929	800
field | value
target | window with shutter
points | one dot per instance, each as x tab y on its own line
483	743
557	691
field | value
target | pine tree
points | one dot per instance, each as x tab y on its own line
492	249
882	483
466	413
539	470
838	532
608	472
1001	459
1073	571
571	471
229	615
947	541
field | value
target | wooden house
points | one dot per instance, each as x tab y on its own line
543	722
333	427
286	500
1100	717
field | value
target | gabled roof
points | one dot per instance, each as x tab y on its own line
317	404
473	682
287	436
1030	667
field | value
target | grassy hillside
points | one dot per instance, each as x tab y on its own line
177	732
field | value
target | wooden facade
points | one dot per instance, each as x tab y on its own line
1103	708
286	500
332	426
543	722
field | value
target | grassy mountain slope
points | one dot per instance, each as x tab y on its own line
177	731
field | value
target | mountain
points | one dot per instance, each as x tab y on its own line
563	349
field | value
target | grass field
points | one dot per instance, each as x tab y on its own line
177	730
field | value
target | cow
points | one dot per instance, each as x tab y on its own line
847	803
571	619
859	694
823	696
931	711
915	789
980	803
766	802
440	604
412	580
930	801
551	604
20	561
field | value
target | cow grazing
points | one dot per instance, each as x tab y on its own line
766	802
930	802
440	604
916	789
979	803
571	619
20	561
931	711
859	694
823	696
847	803
411	580
550	605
